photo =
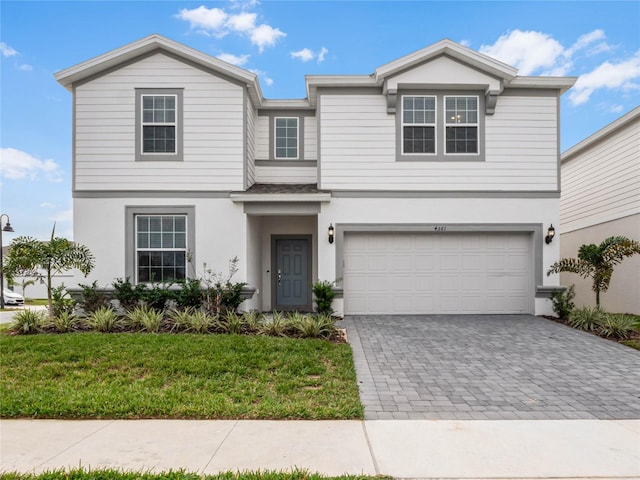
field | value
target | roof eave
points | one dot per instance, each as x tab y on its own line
552	83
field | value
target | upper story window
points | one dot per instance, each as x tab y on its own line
286	138
461	120
441	126
159	124
419	124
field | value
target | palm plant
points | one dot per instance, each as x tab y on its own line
598	261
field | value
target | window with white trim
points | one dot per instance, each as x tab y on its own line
286	138
461	124
161	248
419	124
159	123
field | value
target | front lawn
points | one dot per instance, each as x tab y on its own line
179	475
134	375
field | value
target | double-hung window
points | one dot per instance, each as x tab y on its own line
159	123
461	124
161	247
286	138
419	124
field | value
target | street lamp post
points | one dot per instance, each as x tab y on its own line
6	228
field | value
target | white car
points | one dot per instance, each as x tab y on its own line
12	298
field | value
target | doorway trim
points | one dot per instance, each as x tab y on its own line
274	268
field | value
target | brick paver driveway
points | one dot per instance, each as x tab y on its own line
490	367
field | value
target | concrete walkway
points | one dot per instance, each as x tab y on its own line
405	448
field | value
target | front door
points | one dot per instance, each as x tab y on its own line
292	274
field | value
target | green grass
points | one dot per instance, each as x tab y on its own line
178	475
633	343
36	301
93	375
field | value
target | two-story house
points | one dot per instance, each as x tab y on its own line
428	186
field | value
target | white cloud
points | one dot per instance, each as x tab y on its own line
7	51
622	75
24	67
265	36
263	76
19	165
234	59
307	54
243	22
537	52
47	205
321	55
615	108
205	19
527	51
465	43
217	22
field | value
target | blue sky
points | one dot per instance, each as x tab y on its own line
281	41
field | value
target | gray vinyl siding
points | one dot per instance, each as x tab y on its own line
280	174
601	183
105	130
251	143
358	148
262	138
310	138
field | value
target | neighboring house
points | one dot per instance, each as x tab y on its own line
438	174
601	199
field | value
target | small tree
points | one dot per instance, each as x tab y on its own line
28	255
598	261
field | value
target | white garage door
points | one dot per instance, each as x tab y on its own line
405	273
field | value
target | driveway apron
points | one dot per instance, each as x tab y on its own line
502	367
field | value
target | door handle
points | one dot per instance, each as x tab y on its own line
279	277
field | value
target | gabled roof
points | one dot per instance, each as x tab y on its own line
614	126
452	49
155	42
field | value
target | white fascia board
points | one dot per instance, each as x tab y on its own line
453	49
298	104
280	197
621	122
69	76
558	83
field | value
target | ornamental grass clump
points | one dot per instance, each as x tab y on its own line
145	318
276	326
616	325
28	322
586	318
320	326
64	322
199	322
104	319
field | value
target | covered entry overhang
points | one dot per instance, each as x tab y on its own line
282	243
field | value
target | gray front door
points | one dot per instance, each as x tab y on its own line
292	274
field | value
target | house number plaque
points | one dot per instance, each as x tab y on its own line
440	228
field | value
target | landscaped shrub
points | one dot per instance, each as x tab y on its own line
324	294
198	322
127	294
62	301
221	294
616	325
104	319
190	294
92	298
253	321
145	318
158	295
28	321
563	302
586	318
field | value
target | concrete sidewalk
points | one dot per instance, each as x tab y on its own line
399	448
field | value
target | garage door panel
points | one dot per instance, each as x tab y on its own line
437	273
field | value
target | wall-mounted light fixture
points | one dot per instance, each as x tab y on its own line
551	232
332	233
